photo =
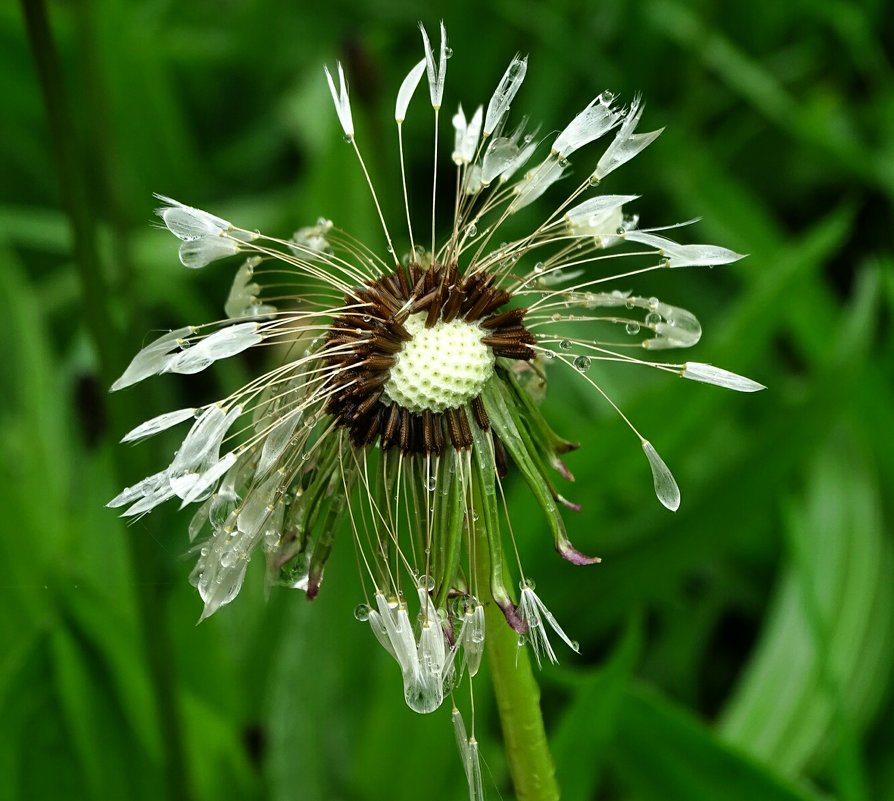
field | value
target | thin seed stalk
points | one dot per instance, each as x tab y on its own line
518	701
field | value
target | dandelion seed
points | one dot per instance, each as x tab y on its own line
665	485
708	374
599	217
220	345
467	136
437	72
407	90
468	753
536	182
310	242
626	144
198	253
243	298
187	223
156	424
498	107
405	391
152	359
597	119
341	100
534	613
208	479
685	255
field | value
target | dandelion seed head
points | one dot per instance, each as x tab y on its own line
404	391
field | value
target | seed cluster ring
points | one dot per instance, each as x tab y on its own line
366	341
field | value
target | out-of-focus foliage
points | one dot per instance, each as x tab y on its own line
740	649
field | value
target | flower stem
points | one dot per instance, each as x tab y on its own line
518	701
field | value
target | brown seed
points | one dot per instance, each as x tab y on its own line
481	416
434	311
423	303
367	404
392	425
405	418
379	361
510	318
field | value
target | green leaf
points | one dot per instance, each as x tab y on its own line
587	727
669	755
823	659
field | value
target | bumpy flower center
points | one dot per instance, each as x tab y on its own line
442	367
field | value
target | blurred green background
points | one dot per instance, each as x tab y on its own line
740	649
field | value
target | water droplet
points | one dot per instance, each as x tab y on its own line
632	328
630	303
348	138
565	344
527	584
361	612
548	354
448	51
575	645
431	483
653	303
593	180
227	559
471	230
539	267
653	318
582	363
366	318
521	641
426	583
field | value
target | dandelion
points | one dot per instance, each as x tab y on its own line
405	389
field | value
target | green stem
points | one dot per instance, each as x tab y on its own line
518	701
